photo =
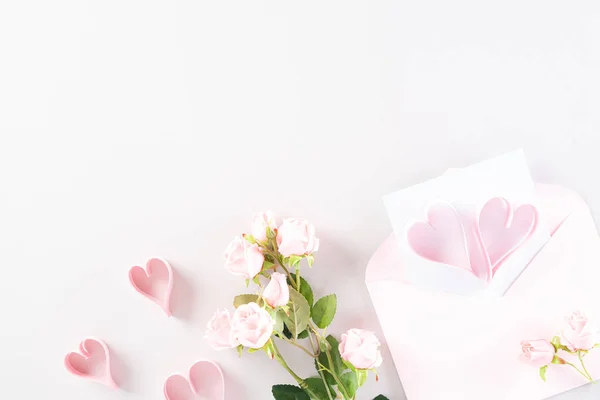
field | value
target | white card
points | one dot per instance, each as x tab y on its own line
495	201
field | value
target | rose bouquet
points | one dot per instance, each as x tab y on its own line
282	310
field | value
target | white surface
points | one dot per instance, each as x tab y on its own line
139	128
467	190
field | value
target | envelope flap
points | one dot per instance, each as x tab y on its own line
545	274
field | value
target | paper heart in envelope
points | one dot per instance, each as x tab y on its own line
448	346
205	381
498	231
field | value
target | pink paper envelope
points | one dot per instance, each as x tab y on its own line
447	346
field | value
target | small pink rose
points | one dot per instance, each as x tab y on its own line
537	352
260	223
243	259
296	237
579	334
218	331
361	349
277	292
252	326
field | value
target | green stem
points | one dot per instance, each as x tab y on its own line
296	285
335	377
337	381
578	370
299	380
321	374
584	368
298	346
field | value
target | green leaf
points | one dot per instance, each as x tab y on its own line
244	299
558	345
270	233
251	350
299	314
337	366
278	318
349	366
288	392
240	350
267	265
311	260
543	372
381	397
294	260
350	382
303	334
256	280
558	360
324	310
286	332
305	289
269	349
249	238
318	388
361	376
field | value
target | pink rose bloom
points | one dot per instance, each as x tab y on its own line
218	331
243	259
579	334
277	292
537	352
260	223
252	326
361	349
296	237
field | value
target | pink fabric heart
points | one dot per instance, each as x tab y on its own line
442	238
503	231
93	362
206	381
155	282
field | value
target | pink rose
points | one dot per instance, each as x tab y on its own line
579	334
243	258
252	326
296	237
260	223
218	331
277	292
361	349
537	352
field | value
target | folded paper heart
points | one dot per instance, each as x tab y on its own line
155	282
442	237
503	230
205	381
497	232
92	362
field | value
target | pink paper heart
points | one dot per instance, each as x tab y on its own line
502	230
206	381
155	282
93	362
442	238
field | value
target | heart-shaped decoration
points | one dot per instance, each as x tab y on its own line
441	238
206	381
155	282
503	230
92	362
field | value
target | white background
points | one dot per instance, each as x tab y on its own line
132	129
